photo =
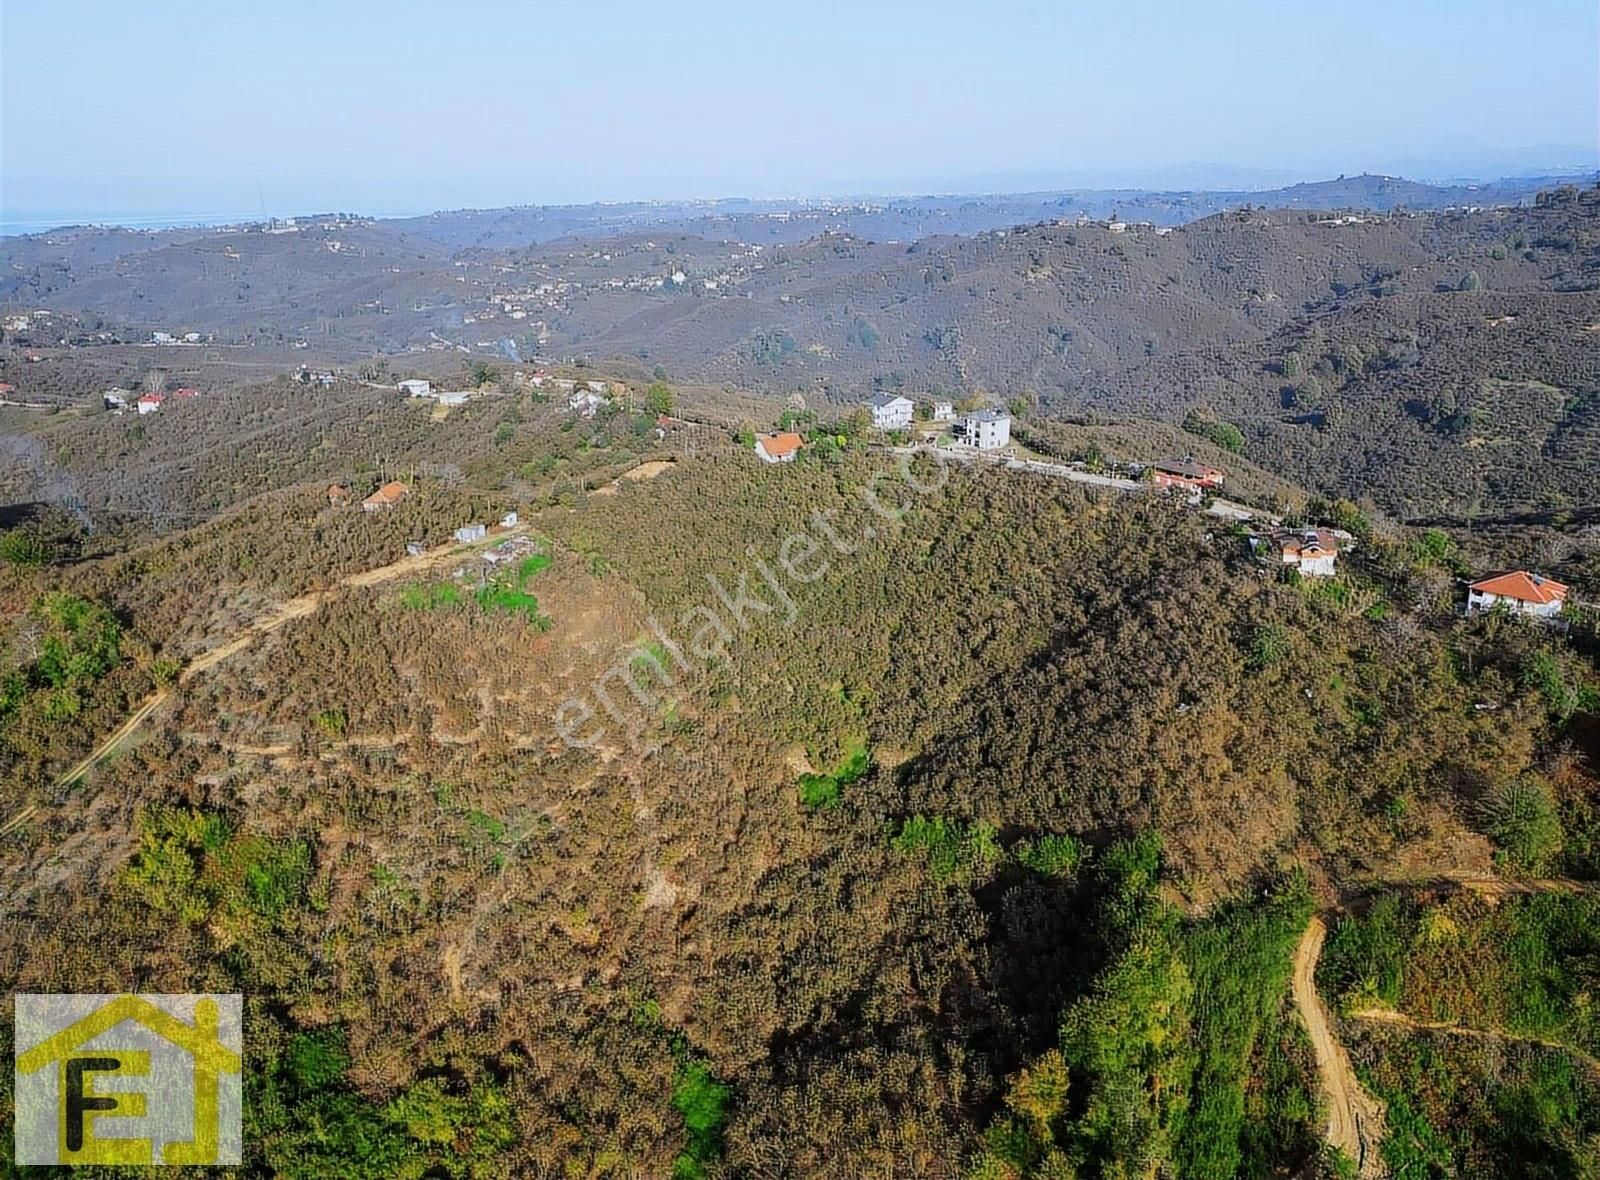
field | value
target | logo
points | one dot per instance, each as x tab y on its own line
128	1079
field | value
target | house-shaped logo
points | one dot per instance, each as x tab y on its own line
125	1079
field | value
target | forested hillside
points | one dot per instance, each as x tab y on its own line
966	833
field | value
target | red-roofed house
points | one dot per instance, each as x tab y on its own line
779	447
1519	592
149	403
387	496
186	391
1187	475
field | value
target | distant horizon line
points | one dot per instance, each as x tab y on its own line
36	221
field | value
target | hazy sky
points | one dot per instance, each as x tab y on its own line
220	106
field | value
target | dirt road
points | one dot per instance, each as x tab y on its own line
1355	1118
1500	887
244	637
1390	1016
121	734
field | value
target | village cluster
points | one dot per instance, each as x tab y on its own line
1311	552
585	398
391	492
892	413
121	401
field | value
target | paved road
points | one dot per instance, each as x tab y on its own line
1227	509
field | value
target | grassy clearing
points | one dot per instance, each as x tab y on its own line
429	595
822	791
505	591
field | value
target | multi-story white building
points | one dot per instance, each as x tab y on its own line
891	411
987	430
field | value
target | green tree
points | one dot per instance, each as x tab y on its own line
659	398
1523	821
26	547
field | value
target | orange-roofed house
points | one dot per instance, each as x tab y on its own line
1519	592
779	447
387	496
1314	552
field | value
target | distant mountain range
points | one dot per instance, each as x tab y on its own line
905	217
1445	356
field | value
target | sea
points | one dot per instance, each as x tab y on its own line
28	221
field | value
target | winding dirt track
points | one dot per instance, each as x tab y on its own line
1355	1118
1390	1016
243	638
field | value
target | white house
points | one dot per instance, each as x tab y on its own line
117	399
1519	592
416	387
890	411
586	402
987	430
151	402
469	533
508	521
1314	552
944	411
453	397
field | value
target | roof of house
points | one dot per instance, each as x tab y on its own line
987	416
389	493
1306	542
1522	585
186	391
782	443
1188	467
152	397
888	399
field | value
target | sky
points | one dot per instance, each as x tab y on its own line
216	109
